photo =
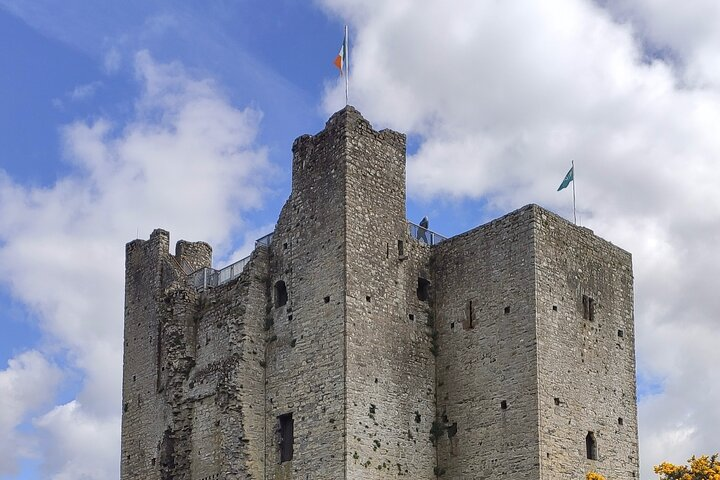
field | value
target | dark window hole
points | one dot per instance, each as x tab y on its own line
469	321
286	437
591	446
588	308
503	405
423	289
281	295
326	299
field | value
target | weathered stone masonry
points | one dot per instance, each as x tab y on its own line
346	348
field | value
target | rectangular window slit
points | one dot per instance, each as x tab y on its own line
423	289
286	437
588	308
469	321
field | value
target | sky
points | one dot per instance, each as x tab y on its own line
120	117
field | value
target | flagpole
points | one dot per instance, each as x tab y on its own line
347	66
573	182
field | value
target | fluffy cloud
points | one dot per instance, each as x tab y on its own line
502	95
27	384
186	161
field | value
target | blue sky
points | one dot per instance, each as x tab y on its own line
120	117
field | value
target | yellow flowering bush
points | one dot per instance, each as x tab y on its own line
594	476
702	468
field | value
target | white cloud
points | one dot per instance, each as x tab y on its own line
186	162
112	60
502	95
85	91
27	384
79	445
686	36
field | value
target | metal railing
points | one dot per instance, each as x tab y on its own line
423	235
209	277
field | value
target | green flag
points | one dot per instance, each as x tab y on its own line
568	178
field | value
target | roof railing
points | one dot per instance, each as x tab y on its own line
209	277
423	235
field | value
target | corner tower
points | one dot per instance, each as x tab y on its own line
348	366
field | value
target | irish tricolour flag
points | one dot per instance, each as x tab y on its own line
340	59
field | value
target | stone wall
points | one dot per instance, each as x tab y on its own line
487	414
390	368
586	366
306	353
193	367
143	410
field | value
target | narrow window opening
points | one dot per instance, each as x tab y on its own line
468	323
387	250
588	308
423	289
554	308
621	333
620	421
125	407
411	316
152	462
327	299
507	310
401	248
452	325
557	401
281	295
286	437
503	405
367	298
591	446
285	246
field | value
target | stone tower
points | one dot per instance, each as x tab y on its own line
354	345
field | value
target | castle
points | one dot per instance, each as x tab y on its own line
352	344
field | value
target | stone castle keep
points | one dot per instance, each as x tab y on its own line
354	345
